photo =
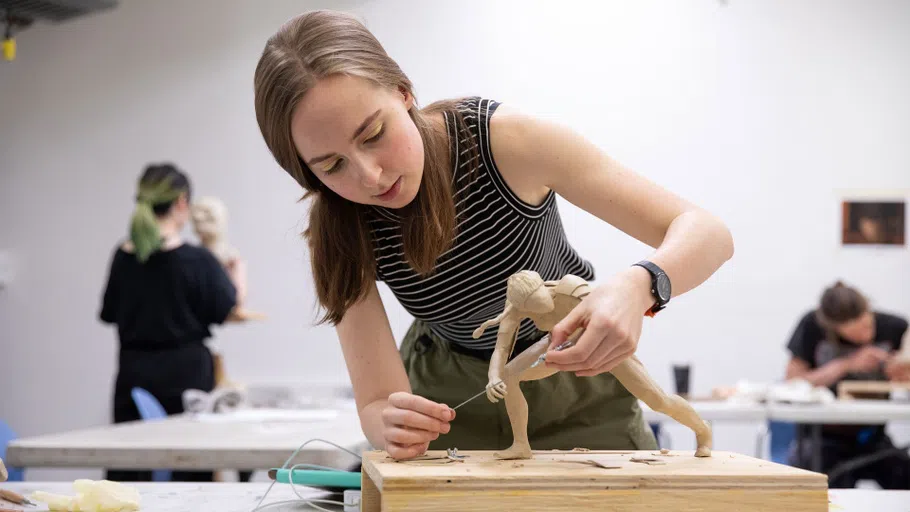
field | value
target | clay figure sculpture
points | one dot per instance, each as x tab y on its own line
210	218
546	303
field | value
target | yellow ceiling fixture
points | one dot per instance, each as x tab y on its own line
19	14
11	23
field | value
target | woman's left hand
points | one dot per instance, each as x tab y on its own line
898	370
611	316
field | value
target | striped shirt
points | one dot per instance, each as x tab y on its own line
497	235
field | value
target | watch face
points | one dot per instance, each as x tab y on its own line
663	287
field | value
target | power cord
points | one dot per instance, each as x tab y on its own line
312	502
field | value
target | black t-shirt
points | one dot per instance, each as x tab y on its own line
810	343
168	301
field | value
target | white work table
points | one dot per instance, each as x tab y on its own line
243	497
714	410
842	412
247	440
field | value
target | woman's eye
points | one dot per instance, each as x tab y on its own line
376	134
335	167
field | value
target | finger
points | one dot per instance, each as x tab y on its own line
606	365
415	420
422	405
565	327
607	349
400	451
588	342
407	436
607	355
592	337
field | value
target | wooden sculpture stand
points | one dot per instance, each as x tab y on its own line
546	304
634	481
853	389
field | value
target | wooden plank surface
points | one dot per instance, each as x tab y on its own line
846	390
243	497
582	469
590	480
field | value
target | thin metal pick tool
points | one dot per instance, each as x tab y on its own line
472	398
562	346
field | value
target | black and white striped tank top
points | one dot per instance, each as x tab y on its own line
498	234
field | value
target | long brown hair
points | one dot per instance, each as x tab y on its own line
306	49
839	303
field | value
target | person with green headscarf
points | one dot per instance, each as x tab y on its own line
164	295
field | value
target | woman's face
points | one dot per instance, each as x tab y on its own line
860	330
358	139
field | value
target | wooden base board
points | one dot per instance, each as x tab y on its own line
588	480
850	389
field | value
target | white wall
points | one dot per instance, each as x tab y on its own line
762	111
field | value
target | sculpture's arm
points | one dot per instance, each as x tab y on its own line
493	321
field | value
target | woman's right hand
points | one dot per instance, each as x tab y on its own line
867	359
410	422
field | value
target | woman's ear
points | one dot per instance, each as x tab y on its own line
182	202
408	97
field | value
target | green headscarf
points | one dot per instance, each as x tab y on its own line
144	226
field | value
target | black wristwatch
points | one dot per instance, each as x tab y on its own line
660	286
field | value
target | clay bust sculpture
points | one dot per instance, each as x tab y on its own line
546	303
210	218
210	223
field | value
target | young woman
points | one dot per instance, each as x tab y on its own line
163	295
443	204
843	338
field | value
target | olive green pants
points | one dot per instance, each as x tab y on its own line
564	411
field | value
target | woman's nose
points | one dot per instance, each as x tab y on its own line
370	173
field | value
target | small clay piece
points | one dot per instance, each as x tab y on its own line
602	465
650	462
664	451
546	304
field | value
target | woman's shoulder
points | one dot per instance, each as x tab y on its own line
891	321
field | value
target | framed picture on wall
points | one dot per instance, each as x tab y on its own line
871	222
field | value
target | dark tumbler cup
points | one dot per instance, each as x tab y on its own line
681	376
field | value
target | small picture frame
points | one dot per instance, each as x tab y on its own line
873	222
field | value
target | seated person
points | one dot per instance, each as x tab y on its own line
844	339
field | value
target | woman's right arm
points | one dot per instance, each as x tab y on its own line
392	418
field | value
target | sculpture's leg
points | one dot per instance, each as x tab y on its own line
517	408
632	374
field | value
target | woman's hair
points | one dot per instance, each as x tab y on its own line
159	186
839	303
306	49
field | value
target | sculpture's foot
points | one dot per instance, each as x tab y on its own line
516	451
704	441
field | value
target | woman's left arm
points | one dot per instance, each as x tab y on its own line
690	244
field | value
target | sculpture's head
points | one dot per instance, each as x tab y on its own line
209	217
526	292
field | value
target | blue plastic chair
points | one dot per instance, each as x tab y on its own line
7	435
663	439
782	436
150	409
